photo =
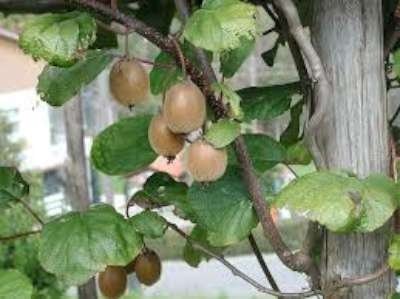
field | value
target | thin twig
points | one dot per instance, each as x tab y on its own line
235	271
18	236
31	211
273	29
360	280
262	263
115	30
181	57
126	42
271	14
317	73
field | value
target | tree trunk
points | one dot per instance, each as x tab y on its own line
348	34
77	175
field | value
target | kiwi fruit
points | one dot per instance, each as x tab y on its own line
112	282
162	140
206	163
129	82
184	107
148	267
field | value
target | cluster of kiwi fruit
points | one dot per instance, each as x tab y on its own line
113	280
183	111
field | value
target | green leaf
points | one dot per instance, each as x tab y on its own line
12	185
265	103
395	296
219	25
14	285
123	147
149	224
291	135
323	197
162	189
224	209
230	98
162	77
222	133
194	256
298	153
270	55
264	151
341	203
77	245
379	201
59	39
394	253
105	39
232	60
57	85
396	63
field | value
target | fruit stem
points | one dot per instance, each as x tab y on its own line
126	42
180	55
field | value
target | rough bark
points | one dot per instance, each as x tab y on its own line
77	173
348	35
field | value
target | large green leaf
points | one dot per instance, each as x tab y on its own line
264	151
265	103
224	209
219	25
222	133
323	197
162	189
12	185
14	285
394	253
232	60
123	147
379	200
57	84
341	203
149	224
79	244
194	256
59	39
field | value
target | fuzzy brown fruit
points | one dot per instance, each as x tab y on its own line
162	140
148	267
184	107
129	82
206	163
112	282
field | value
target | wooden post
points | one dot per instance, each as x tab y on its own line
348	35
77	173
